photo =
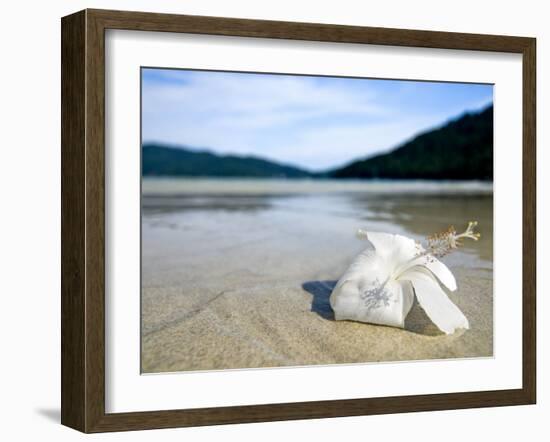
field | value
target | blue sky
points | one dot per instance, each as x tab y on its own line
312	122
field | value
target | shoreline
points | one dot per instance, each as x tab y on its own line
171	186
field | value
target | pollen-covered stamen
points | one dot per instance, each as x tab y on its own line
440	244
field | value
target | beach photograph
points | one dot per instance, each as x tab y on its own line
302	220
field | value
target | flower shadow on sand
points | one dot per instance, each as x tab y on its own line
416	322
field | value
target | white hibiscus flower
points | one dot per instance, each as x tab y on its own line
380	285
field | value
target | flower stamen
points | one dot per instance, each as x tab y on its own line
440	244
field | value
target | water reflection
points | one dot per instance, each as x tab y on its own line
415	213
155	204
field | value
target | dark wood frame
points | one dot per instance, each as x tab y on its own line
83	220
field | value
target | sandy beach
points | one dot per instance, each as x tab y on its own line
238	273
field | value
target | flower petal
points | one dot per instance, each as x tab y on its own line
439	270
435	302
366	293
396	249
366	269
408	298
442	272
387	306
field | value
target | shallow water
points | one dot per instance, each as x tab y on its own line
215	247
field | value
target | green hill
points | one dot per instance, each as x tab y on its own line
161	160
460	150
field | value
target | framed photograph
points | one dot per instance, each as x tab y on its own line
270	220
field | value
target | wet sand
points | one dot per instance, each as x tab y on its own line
238	274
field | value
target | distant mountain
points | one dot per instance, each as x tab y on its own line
460	150
161	160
